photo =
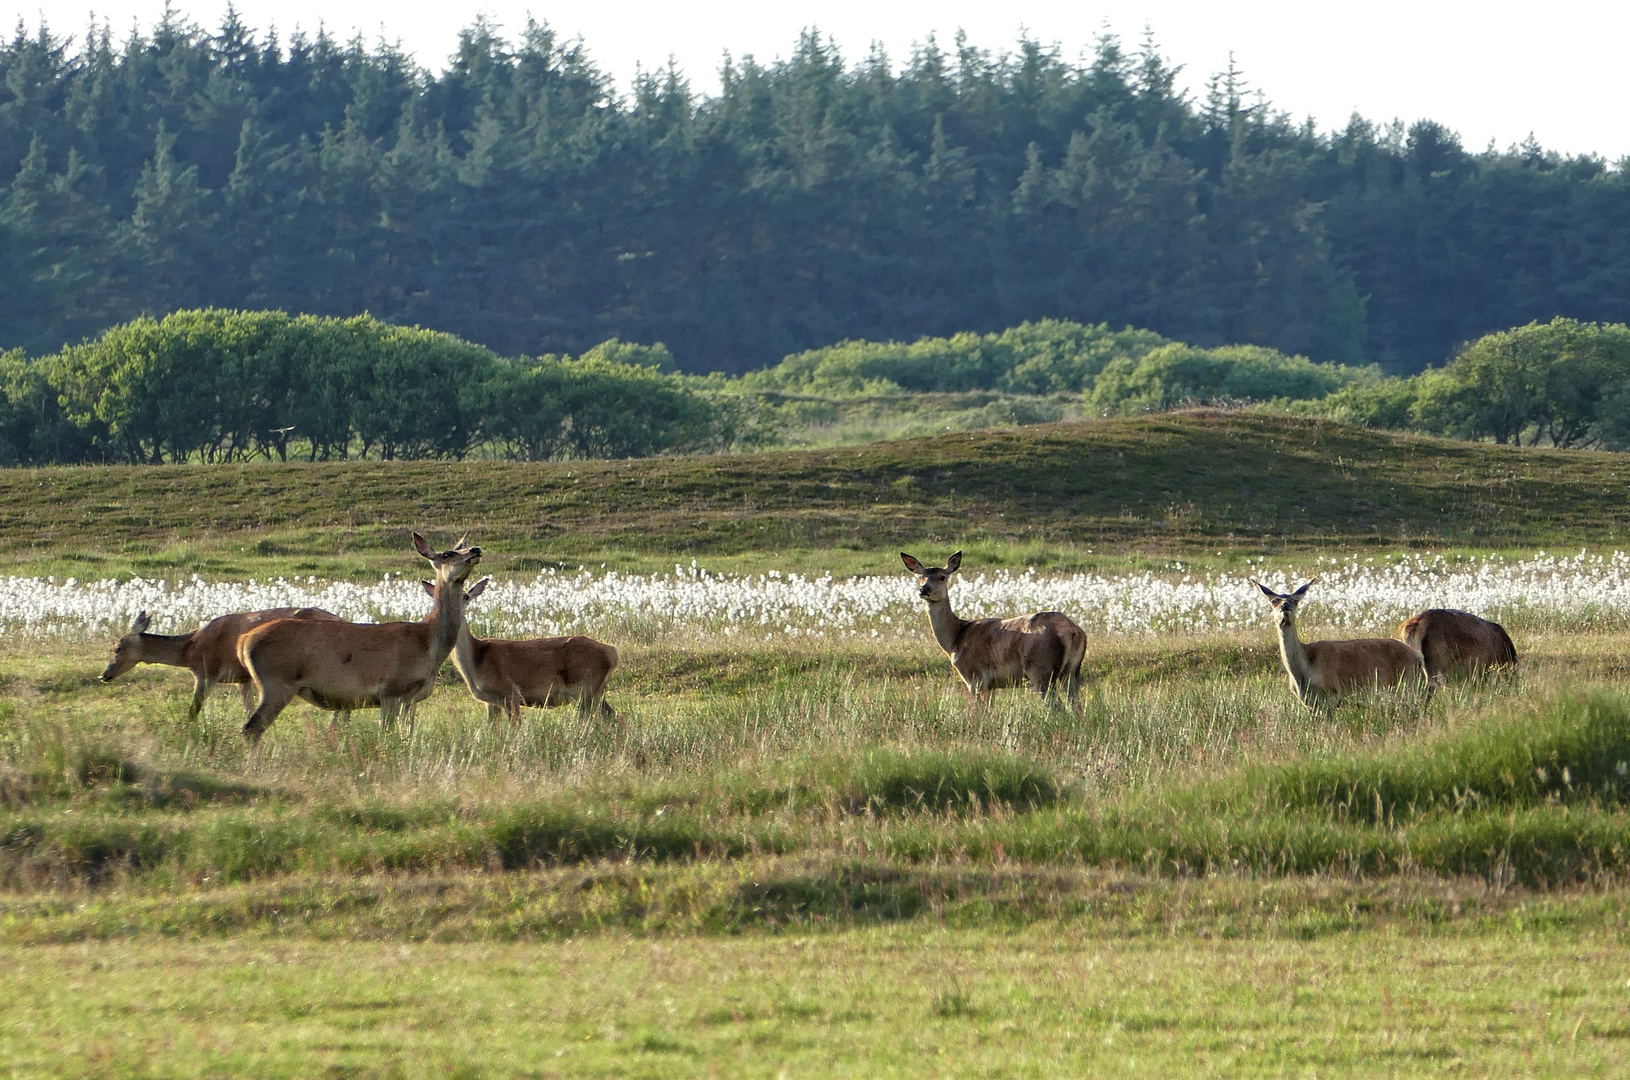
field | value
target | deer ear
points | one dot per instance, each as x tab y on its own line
429	586
142	623
912	564
1303	590
477	589
1269	593
953	562
422	548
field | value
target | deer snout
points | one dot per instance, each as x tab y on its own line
926	591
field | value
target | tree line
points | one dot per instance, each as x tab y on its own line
517	200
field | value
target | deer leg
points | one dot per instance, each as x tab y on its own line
495	712
389	710
247	692
272	702
200	691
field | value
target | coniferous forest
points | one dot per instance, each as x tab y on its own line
518	200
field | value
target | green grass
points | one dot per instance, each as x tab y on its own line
1094	493
1050	1001
826	772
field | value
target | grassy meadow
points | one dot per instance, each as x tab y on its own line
813	858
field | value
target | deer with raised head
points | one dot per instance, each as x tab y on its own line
1457	642
210	653
1041	650
1324	670
341	665
539	673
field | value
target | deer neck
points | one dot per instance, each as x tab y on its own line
446	620
168	649
1294	655
947	627
464	652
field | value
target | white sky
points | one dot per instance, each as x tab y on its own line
1493	71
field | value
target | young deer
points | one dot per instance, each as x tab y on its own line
341	665
211	653
1327	669
538	673
1043	650
1457	642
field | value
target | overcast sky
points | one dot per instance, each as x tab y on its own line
1492	71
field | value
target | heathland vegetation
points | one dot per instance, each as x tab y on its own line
215	385
518	200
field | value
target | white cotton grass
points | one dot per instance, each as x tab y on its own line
1355	594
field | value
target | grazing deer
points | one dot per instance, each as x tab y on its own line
538	673
1044	649
340	665
1457	642
1321	670
211	653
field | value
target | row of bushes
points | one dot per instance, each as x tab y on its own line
228	385
1563	383
1116	371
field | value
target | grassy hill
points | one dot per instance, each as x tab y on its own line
1061	494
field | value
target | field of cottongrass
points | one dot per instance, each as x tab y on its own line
1354	596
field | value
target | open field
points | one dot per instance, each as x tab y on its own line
1095	494
1046	1001
825	864
802	852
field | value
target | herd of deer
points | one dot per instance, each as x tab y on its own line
278	655
315	655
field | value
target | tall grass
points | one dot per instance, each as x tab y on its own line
1196	765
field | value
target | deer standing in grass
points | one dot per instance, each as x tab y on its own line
537	673
1324	670
211	653
341	665
1042	650
1457	642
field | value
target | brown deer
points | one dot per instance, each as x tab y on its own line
211	653
1043	650
1457	642
339	665
538	673
1324	670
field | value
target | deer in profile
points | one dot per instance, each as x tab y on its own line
1321	671
1457	643
1043	650
539	673
210	653
341	665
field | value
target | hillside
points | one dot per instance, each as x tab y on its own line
1173	484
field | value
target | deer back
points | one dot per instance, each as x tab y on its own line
1340	666
213	651
1073	638
338	662
534	668
1451	641
991	651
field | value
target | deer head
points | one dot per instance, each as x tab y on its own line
469	594
127	652
936	580
451	566
1284	604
